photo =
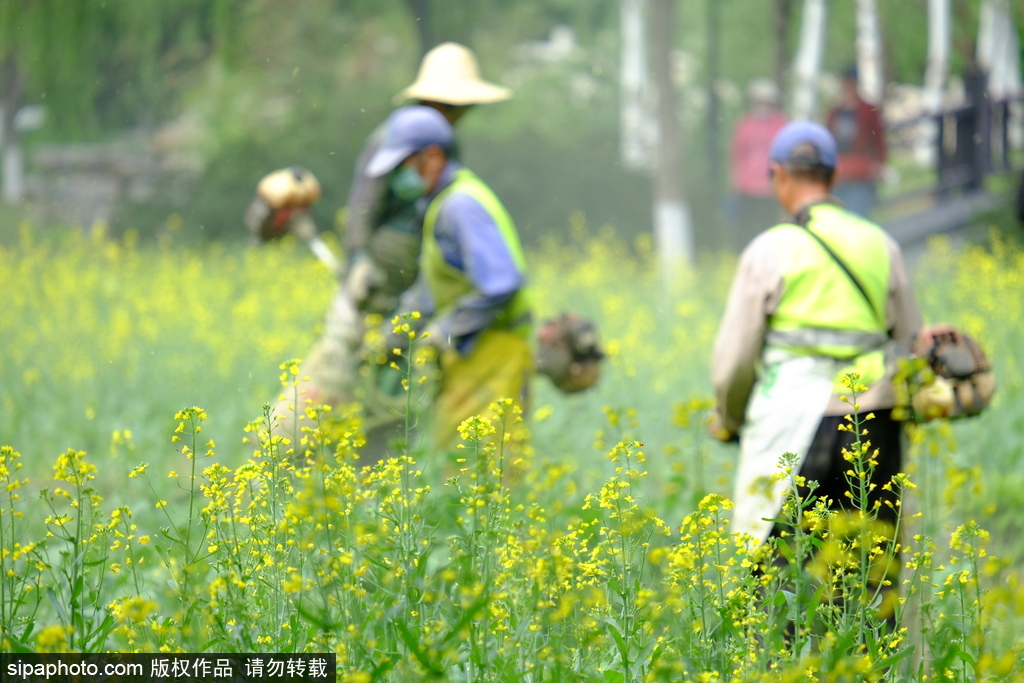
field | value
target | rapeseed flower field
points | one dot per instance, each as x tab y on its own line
132	519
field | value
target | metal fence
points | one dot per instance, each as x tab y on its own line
967	142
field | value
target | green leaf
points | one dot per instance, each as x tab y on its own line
100	633
321	621
413	644
18	645
620	642
382	668
61	612
890	661
467	616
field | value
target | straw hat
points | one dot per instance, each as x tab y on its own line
450	74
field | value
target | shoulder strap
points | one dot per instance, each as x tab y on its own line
802	218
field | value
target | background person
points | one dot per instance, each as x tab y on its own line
860	136
748	160
798	318
472	280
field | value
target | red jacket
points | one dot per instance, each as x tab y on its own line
862	154
751	149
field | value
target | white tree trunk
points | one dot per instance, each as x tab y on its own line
987	31
636	148
673	235
869	53
1014	87
995	35
673	232
935	77
13	171
998	48
999	55
937	71
808	59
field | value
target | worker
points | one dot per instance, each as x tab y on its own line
752	138
382	229
382	241
816	297
471	288
860	135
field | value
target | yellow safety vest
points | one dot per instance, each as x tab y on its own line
447	283
822	311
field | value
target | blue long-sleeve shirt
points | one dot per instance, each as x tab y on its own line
471	242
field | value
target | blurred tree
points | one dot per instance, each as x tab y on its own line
869	52
938	54
267	83
41	43
10	144
673	229
808	60
714	125
99	66
780	23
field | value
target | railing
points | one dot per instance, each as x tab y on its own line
968	142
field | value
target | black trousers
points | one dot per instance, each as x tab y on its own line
825	463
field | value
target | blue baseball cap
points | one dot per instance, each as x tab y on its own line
806	143
406	131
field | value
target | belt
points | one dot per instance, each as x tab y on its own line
810	337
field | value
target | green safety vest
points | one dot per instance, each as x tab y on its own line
822	312
447	283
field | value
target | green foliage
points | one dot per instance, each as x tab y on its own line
266	84
105	66
513	567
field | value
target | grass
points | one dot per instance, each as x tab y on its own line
600	552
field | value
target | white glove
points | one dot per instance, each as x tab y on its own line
363	277
437	336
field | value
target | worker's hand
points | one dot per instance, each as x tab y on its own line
717	429
363	277
437	336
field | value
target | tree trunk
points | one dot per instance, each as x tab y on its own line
673	232
998	55
808	59
939	37
783	10
714	127
869	53
13	163
636	143
999	48
935	76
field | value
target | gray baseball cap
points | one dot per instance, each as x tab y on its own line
406	131
795	137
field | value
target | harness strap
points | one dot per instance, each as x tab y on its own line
802	218
810	337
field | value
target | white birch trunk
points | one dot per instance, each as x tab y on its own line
808	59
673	236
635	143
871	79
13	171
673	232
1014	87
999	55
992	36
935	77
937	71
